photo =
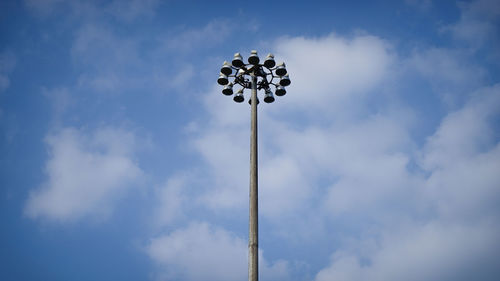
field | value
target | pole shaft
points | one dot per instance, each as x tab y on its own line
253	230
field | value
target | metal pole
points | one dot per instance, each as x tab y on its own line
270	74
253	230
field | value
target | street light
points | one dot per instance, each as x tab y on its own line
254	76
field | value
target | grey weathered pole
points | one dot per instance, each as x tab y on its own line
262	76
253	229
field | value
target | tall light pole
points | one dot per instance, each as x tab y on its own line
254	76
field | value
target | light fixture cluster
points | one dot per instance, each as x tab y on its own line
266	74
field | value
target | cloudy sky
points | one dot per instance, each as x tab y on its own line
122	160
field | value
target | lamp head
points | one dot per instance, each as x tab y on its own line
238	97
269	62
269	98
280	91
226	68
253	58
237	60
228	89
222	79
281	69
285	80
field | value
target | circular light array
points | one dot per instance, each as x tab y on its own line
268	74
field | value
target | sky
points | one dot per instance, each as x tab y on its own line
122	160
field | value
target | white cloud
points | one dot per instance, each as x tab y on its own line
226	155
464	133
433	251
451	73
283	186
351	160
171	201
86	173
327	71
204	252
463	158
448	67
450	230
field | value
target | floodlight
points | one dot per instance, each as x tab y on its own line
226	68
269	98
253	58
269	62
228	89
281	69
237	60
222	79
280	91
285	80
254	74
238	97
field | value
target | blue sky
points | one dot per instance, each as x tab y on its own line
122	160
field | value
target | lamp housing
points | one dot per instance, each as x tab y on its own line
269	61
237	60
226	69
238	97
253	58
280	91
269	98
228	89
285	80
222	79
281	69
